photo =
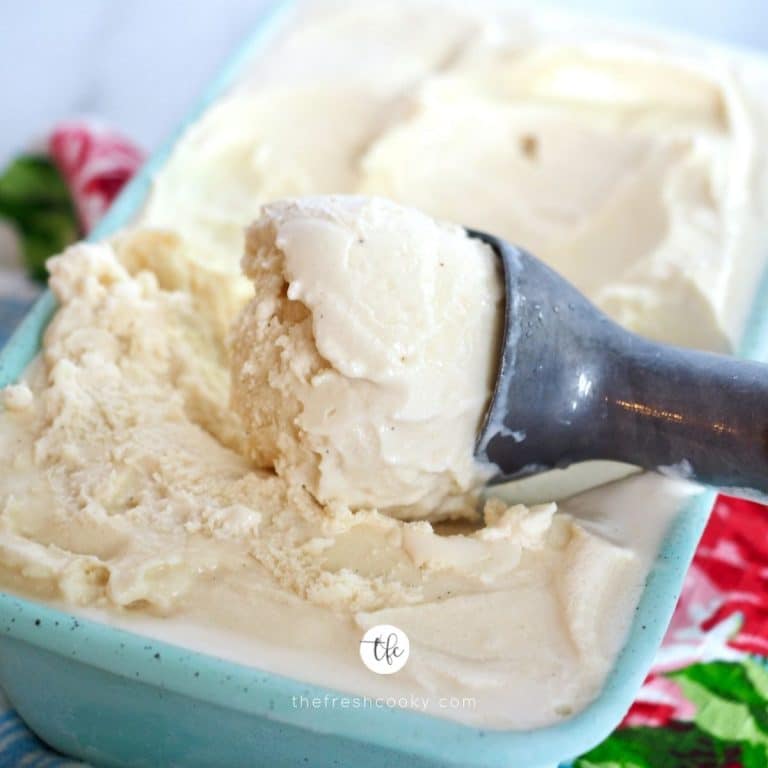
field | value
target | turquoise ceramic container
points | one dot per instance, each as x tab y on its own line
118	699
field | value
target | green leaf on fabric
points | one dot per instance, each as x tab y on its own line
729	705
753	756
35	200
758	674
678	745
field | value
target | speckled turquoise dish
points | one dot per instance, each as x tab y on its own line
118	699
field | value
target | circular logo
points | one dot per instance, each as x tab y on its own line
384	649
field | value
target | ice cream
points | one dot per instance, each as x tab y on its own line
131	499
139	495
363	366
632	166
665	187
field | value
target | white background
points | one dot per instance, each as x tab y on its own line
140	63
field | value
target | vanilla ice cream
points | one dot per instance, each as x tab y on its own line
364	364
632	166
142	442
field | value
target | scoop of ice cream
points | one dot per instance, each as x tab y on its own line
363	365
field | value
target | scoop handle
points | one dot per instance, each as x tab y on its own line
573	385
702	414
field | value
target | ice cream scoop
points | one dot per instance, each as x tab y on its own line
572	385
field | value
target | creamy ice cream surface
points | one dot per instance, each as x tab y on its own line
262	465
364	364
131	499
631	165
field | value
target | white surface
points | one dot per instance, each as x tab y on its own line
140	63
